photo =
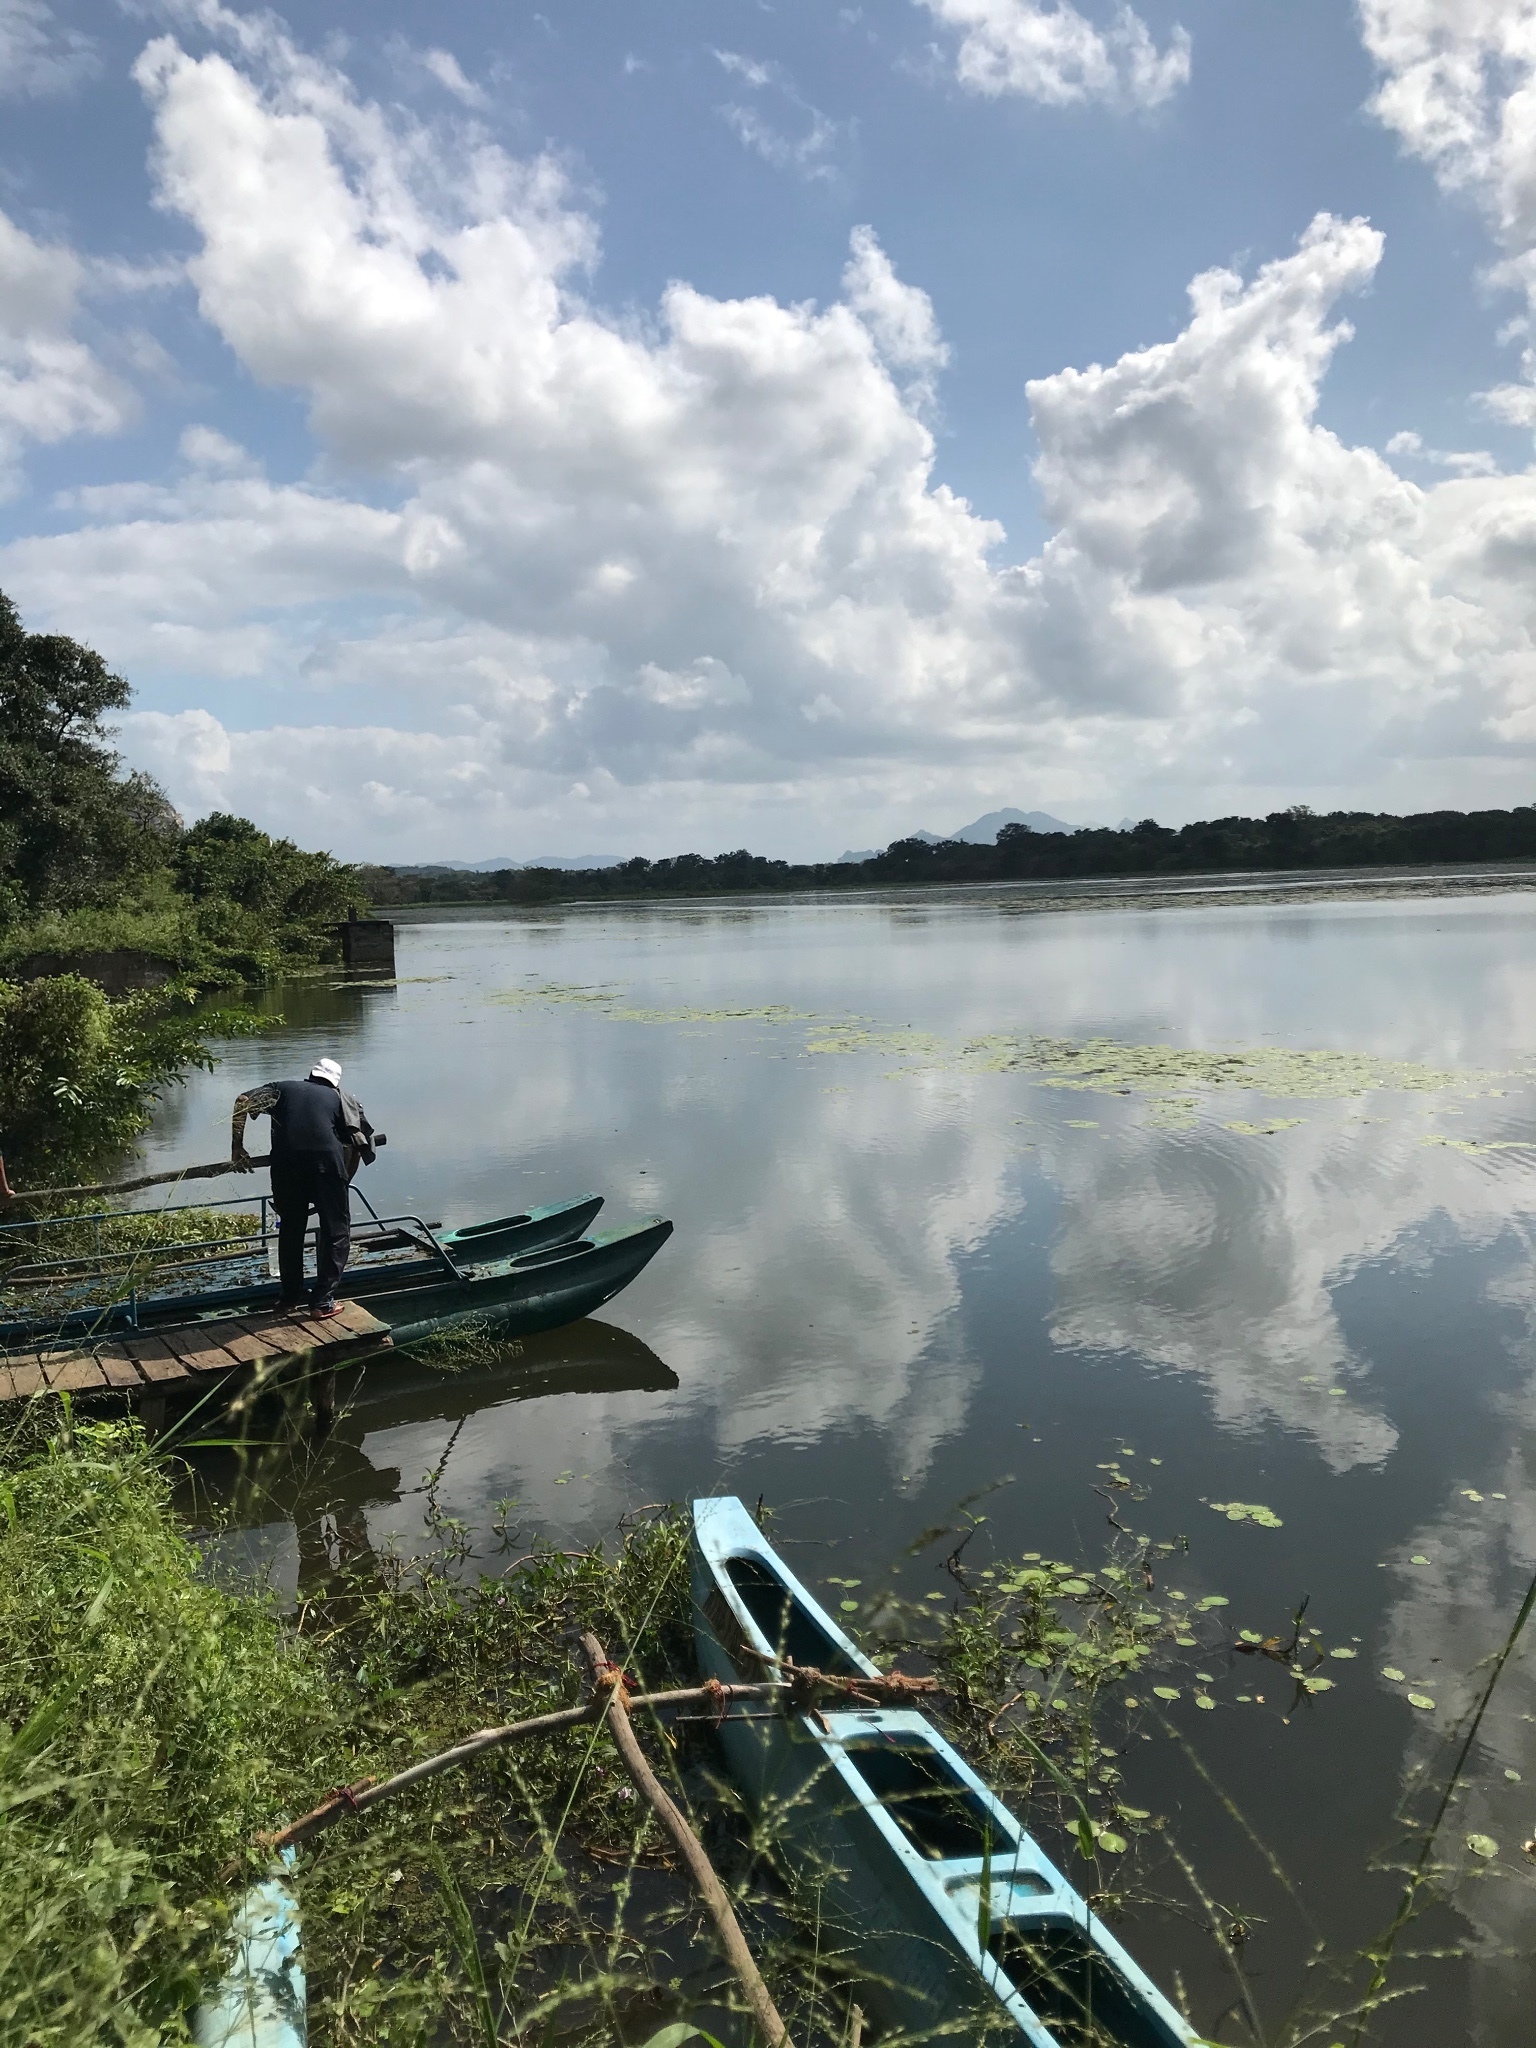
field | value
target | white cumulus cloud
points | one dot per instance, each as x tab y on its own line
1057	56
697	564
52	385
1458	85
900	316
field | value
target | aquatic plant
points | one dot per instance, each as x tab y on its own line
1174	1082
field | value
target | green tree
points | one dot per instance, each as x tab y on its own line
73	829
79	1074
268	889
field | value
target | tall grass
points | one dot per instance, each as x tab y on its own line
144	1716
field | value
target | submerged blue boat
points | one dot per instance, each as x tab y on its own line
959	1925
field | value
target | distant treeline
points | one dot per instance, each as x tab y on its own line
1297	838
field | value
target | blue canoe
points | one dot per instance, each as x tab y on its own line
955	1916
260	2001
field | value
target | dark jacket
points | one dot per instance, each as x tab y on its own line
310	1118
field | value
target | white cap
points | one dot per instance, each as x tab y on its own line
326	1070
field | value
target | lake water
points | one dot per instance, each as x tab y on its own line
914	1261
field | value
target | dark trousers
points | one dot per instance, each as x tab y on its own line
300	1183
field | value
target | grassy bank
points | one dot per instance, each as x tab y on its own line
154	1723
159	1723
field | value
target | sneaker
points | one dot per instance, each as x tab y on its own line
322	1311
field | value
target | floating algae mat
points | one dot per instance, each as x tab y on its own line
610	1003
1167	1074
1107	1066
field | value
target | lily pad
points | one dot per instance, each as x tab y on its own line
1203	1699
1115	1844
1343	1651
1166	1692
1483	1845
1248	1511
1422	1701
1391	1671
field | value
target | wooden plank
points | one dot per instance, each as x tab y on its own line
117	1365
72	1372
250	1345
293	1334
134	1364
358	1322
155	1360
198	1348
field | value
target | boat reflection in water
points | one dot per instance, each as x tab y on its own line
279	1468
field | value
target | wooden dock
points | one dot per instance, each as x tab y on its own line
190	1357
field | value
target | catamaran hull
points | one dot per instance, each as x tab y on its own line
481	1256
539	1292
510	1237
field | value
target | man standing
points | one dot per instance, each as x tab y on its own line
319	1134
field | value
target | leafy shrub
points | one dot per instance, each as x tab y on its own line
79	1074
141	1711
256	890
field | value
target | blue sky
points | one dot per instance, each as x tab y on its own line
497	429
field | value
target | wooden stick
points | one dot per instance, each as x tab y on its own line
800	1679
126	1187
369	1791
611	1682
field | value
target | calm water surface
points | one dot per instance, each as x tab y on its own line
899	1280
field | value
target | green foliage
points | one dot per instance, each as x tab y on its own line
93	861
79	1074
151	1725
250	887
73	830
143	1714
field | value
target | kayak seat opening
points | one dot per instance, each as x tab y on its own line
489	1229
1075	1989
553	1254
784	1622
937	1812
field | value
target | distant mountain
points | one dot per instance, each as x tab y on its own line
980	832
983	831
